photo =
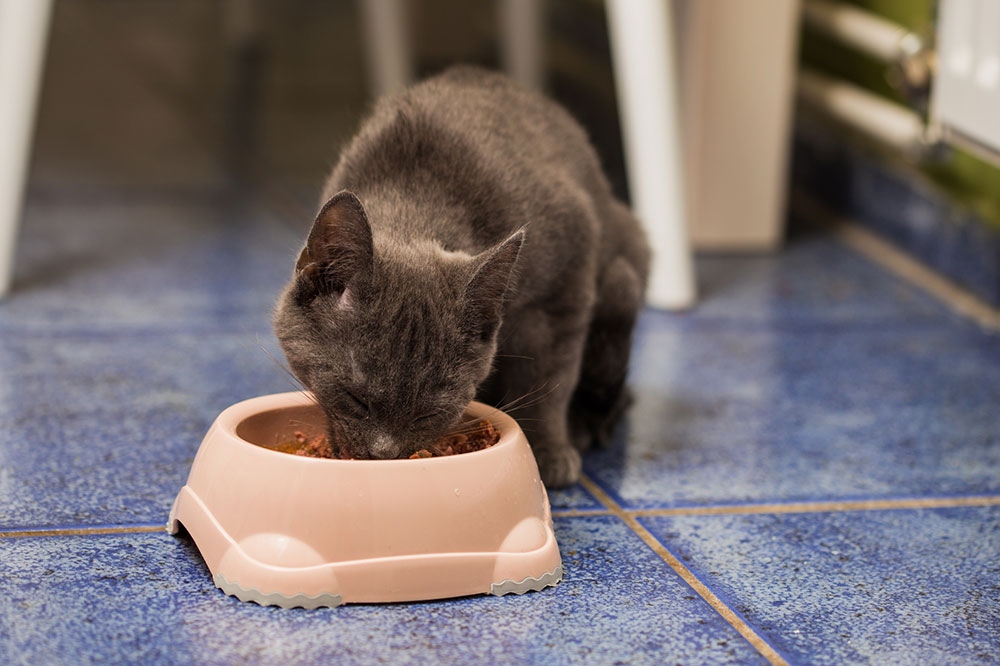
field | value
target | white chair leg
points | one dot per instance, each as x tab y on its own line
23	31
643	55
387	45
522	35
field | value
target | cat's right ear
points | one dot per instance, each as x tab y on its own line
339	250
484	294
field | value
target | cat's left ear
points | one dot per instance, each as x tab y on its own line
485	292
339	249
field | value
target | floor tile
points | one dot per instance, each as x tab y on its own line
102	428
886	587
147	598
574	497
162	264
812	280
805	405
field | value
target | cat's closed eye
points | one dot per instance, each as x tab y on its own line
355	405
424	419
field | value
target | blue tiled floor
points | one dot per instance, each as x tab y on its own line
151	265
147	598
805	407
886	587
103	409
141	306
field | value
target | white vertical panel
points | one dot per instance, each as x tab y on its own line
738	64
642	47
24	27
966	97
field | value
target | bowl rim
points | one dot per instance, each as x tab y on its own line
230	419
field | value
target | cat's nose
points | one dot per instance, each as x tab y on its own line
384	446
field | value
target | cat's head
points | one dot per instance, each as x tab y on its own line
393	341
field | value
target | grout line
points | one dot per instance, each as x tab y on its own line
891	258
717	604
579	513
787	507
84	531
822	507
614	509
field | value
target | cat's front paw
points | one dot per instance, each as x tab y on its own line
559	467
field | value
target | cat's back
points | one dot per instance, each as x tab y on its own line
512	121
471	118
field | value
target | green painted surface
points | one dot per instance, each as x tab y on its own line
969	180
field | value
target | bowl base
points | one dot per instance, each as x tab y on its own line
276	598
504	587
529	584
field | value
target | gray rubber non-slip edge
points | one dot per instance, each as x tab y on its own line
510	586
275	598
327	600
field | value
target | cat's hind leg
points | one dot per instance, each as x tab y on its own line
601	396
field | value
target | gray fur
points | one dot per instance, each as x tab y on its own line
469	246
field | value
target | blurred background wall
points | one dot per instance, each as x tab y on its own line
205	98
144	94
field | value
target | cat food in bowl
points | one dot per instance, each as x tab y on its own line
482	435
294	530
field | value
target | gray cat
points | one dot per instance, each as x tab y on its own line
469	247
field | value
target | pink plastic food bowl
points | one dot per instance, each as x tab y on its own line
287	530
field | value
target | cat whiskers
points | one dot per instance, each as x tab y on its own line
528	399
296	384
505	405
